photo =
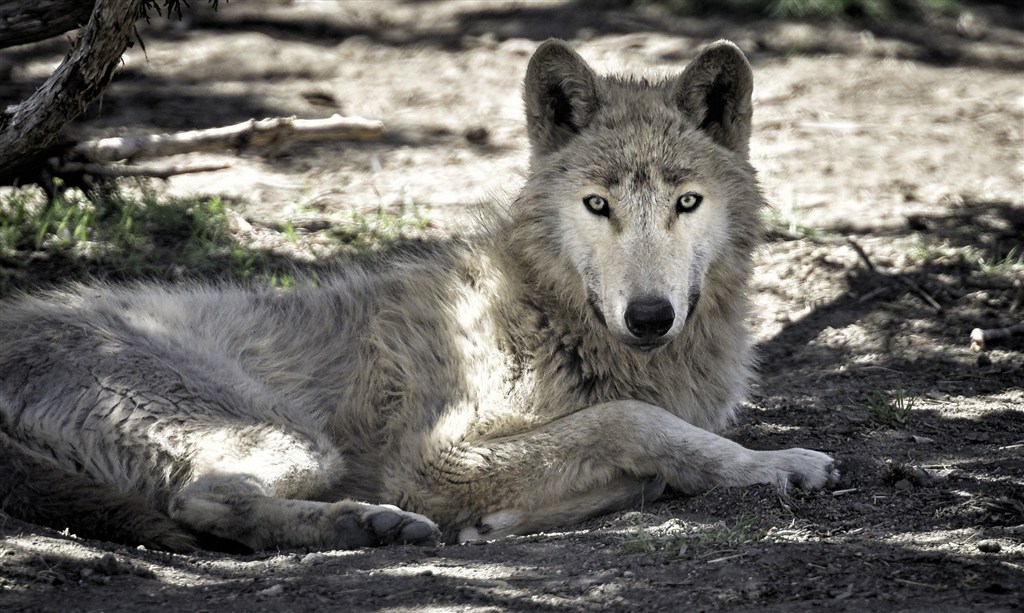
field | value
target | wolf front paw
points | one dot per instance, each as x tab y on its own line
804	468
358	524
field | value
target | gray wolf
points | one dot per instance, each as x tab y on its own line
573	358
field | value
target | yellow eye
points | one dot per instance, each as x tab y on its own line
596	205
688	202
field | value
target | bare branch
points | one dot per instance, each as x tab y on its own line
239	136
981	337
162	172
914	287
23	21
25	129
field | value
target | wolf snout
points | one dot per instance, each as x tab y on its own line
649	318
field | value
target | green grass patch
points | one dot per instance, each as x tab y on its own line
1002	262
924	252
675	542
120	236
789	223
890	408
365	232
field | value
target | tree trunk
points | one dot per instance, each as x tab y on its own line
25	21
27	128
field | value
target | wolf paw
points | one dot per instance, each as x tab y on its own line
393	525
806	469
357	524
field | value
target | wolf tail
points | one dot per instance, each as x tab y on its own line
34	488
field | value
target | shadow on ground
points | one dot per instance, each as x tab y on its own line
607	576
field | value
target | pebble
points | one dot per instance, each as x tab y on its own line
274	590
989	546
312	558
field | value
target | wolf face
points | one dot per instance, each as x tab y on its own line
642	177
642	248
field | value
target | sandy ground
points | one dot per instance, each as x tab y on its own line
902	142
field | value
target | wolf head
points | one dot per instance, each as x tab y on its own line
644	188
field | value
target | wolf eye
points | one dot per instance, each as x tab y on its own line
596	205
688	202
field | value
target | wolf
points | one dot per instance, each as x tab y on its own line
576	356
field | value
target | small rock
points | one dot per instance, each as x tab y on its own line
274	590
903	485
312	558
989	546
627	574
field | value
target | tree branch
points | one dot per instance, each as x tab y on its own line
250	133
161	172
27	128
25	21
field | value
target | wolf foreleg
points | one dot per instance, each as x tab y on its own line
529	481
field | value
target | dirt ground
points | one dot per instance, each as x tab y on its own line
898	146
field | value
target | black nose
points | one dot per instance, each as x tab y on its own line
649	317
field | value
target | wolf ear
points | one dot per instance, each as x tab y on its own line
714	91
560	94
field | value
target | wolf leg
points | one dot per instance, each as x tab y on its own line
237	508
36	489
251	486
621	493
531	478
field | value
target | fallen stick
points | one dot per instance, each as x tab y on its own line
981	337
862	254
914	287
164	172
273	131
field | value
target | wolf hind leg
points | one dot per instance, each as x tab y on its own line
255	486
237	509
36	489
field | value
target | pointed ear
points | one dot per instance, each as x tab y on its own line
714	91
560	94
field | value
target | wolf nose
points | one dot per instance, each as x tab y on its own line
649	317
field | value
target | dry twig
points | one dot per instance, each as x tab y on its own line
914	287
981	337
273	131
163	172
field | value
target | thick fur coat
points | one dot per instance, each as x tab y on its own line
573	359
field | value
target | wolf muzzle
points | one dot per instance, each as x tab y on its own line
649	318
